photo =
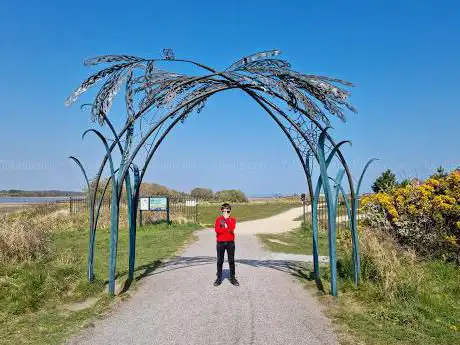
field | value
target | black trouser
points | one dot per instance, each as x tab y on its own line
221	247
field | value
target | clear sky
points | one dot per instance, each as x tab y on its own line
403	56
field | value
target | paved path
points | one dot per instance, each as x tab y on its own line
178	304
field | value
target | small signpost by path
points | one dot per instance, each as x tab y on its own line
302	198
154	204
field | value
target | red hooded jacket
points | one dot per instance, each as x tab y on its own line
224	234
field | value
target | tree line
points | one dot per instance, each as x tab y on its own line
200	193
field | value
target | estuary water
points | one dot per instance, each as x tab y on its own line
32	199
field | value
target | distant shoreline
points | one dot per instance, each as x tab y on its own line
24	200
37	193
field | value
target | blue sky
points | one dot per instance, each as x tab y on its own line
403	56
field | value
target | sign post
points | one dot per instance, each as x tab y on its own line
167	211
154	203
144	206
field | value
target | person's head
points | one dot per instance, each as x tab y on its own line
226	208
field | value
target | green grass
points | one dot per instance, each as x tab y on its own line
424	307
425	314
33	295
297	241
207	213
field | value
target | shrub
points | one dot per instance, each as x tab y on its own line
202	193
231	195
423	216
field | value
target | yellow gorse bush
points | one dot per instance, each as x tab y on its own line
424	216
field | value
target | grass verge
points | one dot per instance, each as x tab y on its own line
297	241
37	297
402	299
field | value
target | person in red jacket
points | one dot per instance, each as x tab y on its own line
225	236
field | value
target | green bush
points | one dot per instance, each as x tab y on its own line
385	183
423	216
231	195
202	193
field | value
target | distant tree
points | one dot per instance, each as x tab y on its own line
385	183
231	195
404	182
202	193
151	189
146	189
440	173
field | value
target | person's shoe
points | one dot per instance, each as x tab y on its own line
217	282
234	281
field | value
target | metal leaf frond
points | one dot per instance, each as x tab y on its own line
150	91
111	58
92	80
254	57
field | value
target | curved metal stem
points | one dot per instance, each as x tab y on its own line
354	225
315	210
90	265
330	213
114	216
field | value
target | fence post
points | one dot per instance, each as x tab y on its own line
196	210
167	210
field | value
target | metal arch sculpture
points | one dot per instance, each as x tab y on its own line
154	97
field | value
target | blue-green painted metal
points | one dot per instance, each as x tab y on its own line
314	211
330	212
354	226
314	227
347	203
114	216
132	211
90	263
114	222
92	196
337	184
101	200
295	94
354	237
133	224
132	204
